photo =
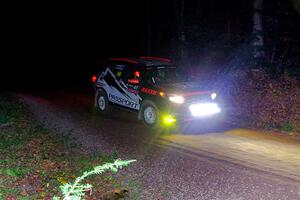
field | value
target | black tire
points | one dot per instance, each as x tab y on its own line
103	103
150	115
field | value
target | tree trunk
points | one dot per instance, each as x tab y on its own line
182	32
149	29
179	11
228	34
296	4
258	41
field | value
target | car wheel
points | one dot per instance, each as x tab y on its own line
150	115
102	103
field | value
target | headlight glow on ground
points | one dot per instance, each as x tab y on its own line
204	109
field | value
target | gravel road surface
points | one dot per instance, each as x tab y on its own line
164	170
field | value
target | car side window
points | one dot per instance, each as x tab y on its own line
131	74
148	76
118	70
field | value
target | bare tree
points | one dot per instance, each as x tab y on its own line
149	28
179	12
296	4
258	42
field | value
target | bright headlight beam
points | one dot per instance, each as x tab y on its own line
204	109
176	99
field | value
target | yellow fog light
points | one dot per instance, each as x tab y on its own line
168	120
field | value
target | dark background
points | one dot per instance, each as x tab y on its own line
59	45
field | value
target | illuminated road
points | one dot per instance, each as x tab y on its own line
219	163
272	152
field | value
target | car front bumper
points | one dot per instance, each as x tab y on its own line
195	111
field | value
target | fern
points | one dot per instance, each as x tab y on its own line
77	190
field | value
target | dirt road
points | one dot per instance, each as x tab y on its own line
221	162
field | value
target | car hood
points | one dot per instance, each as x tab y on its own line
186	88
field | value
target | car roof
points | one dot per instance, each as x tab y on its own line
146	60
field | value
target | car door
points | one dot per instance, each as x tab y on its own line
131	80
121	89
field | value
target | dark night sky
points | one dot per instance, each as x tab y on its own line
52	42
59	43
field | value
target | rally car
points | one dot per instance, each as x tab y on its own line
152	87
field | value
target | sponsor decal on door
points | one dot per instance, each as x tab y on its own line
117	90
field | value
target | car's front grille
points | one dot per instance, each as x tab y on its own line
197	98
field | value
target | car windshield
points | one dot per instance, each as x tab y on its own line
160	75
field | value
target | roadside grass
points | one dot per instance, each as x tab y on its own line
288	128
9	112
135	187
34	163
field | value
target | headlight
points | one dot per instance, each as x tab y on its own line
176	99
213	96
204	109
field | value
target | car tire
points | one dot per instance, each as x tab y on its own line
150	115
103	103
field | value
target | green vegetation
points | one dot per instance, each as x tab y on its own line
10	112
34	164
78	190
264	101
